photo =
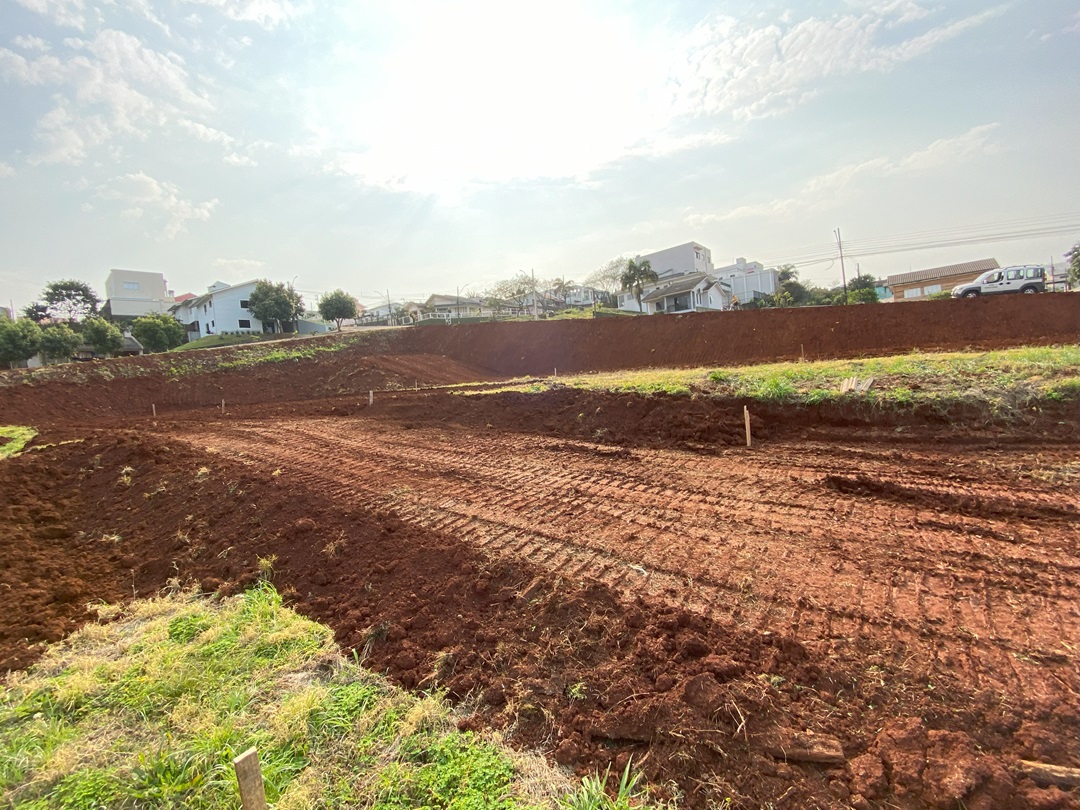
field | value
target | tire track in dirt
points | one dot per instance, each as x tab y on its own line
759	538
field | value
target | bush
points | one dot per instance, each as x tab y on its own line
158	332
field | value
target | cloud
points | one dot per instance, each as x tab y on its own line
6	169
235	269
735	69
110	85
236	159
205	133
143	195
825	189
31	43
268	14
68	13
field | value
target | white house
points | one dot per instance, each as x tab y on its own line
692	292
222	308
749	280
133	293
680	260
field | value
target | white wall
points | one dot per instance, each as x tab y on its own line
681	259
137	292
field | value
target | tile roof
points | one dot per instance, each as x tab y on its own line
680	284
979	266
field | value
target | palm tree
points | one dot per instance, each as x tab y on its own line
636	276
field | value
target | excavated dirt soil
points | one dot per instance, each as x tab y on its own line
856	612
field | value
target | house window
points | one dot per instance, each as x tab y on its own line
131	285
244	324
933	288
244	304
913	292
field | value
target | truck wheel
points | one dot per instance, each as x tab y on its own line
971	294
1029	290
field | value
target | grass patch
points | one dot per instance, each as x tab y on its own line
214	341
1006	381
149	712
13	438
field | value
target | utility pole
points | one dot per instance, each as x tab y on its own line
843	275
389	310
535	295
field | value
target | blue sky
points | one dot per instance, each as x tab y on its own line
419	146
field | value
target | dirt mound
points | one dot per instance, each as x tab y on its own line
564	656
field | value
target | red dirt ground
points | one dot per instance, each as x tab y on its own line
610	576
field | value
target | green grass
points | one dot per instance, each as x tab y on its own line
150	710
213	341
1006	381
13	438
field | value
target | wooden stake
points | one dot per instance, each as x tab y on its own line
370	397
153	409
556	372
802	353
249	777
746	419
222	407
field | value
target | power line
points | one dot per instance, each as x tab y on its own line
923	240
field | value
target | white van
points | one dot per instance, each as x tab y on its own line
1028	278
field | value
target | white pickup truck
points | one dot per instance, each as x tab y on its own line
1028	278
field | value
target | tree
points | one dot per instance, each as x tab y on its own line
37	312
636	276
19	340
337	306
1073	255
516	289
158	332
275	303
608	278
59	343
71	298
102	336
862	290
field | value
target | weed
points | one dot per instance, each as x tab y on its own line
577	691
125	476
202	473
592	795
266	567
13	438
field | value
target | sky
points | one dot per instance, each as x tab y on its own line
422	146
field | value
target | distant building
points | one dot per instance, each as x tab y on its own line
749	280
133	293
920	283
679	260
224	308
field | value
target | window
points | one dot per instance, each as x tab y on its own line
244	324
1034	272
244	303
913	292
1015	273
131	285
993	278
931	289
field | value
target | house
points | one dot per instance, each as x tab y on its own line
224	308
134	293
679	260
920	283
692	292
457	306
749	280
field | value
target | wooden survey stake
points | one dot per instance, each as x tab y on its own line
249	776
746	419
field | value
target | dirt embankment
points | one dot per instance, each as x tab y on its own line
733	338
438	355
